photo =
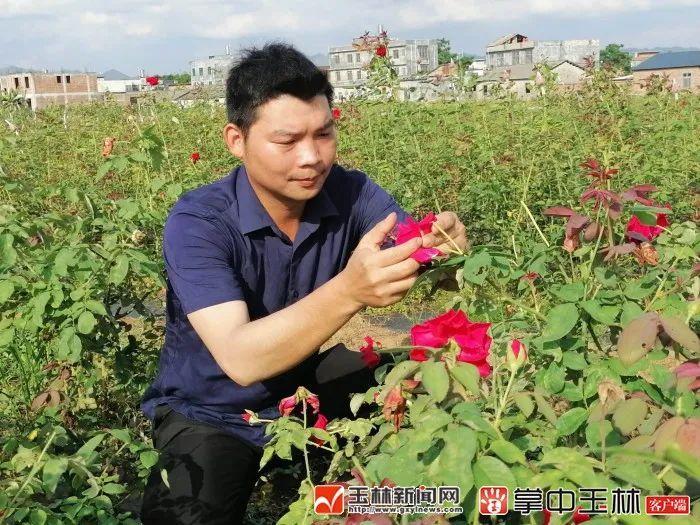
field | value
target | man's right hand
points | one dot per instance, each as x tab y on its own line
376	277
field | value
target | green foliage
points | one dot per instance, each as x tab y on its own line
614	57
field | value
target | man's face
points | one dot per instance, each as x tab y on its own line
290	148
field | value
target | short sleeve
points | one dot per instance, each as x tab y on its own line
375	203
198	261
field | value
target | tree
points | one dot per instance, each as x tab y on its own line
614	57
445	55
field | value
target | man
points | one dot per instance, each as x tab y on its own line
263	267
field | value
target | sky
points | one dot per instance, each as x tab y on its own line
161	37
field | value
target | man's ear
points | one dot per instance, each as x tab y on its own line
234	139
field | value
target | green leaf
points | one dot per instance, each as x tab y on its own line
638	474
681	333
574	361
467	375
508	452
630	311
571	293
52	472
560	321
69	345
544	408
113	488
86	322
8	255
490	471
629	414
640	288
121	434
96	307
104	169
435	379
37	517
148	458
7	336
553	378
119	270
638	338
524	403
6	289
571	420
89	447
603	314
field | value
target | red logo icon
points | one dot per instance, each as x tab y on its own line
328	499
665	505
493	501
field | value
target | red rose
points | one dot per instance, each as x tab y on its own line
286	406
194	157
580	517
472	338
410	229
516	354
336	113
368	354
638	231
152	81
381	51
321	423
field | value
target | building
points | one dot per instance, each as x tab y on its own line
516	49
347	68
477	67
641	56
522	79
44	89
113	81
211	70
682	69
215	94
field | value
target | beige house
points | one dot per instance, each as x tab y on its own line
522	79
682	69
44	89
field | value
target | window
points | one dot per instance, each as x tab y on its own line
337	76
350	58
201	71
516	58
507	58
349	75
26	82
357	57
395	53
67	79
528	56
194	73
209	70
16	82
423	52
359	74
499	59
685	83
336	59
58	79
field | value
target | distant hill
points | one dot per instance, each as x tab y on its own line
320	59
661	49
10	70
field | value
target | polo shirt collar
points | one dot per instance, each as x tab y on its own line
253	216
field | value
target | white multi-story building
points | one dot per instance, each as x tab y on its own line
211	70
347	65
516	49
114	81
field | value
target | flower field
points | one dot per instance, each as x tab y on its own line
564	356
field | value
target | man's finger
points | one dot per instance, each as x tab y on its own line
401	270
398	253
375	237
403	285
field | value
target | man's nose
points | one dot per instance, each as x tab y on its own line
308	153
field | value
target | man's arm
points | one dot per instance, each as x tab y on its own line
251	351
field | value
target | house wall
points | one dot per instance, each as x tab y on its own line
640	77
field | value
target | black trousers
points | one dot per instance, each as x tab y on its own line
211	473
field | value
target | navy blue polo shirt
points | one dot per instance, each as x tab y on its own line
219	245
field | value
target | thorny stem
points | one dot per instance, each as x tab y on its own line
504	400
306	453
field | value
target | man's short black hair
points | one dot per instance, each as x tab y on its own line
263	74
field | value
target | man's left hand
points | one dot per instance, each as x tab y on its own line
453	228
